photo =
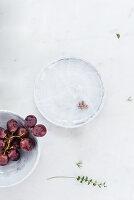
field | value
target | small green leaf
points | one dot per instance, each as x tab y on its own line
78	178
130	99
82	179
86	179
88	182
79	164
104	184
118	35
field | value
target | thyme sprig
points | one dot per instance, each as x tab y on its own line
82	179
90	181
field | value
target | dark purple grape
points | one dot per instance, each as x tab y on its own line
39	130
15	143
2	144
8	136
1	151
30	121
27	144
12	125
22	132
2	133
3	159
13	155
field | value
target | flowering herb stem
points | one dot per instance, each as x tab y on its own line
82	179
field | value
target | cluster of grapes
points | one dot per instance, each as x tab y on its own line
16	137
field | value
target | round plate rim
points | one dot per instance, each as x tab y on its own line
58	124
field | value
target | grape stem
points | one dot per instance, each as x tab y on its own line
9	141
8	145
18	136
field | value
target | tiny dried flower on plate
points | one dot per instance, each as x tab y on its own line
82	105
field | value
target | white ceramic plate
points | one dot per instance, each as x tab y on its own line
17	171
61	85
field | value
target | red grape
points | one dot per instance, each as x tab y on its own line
30	121
1	151
14	155
16	143
27	144
22	132
3	159
2	144
8	136
12	125
39	130
2	133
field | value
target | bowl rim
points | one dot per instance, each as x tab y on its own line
37	158
56	123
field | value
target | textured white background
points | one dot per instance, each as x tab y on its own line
36	32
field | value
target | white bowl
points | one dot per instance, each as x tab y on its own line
61	85
17	171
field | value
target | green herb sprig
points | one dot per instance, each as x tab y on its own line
130	99
82	179
118	35
90	181
79	164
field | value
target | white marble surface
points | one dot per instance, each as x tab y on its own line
36	32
